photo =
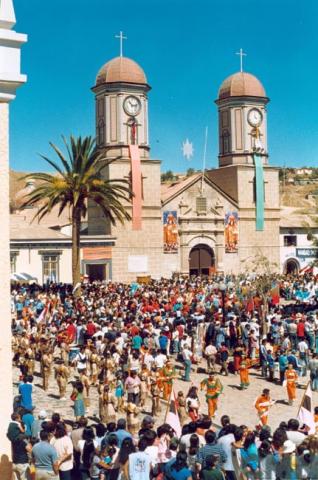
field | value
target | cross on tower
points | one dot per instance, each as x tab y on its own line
241	54
121	38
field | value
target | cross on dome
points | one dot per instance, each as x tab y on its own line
121	38
241	54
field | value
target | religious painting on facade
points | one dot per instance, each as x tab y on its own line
170	232
231	233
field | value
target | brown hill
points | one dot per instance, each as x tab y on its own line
295	196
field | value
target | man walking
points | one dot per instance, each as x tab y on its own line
262	405
224	355
263	358
187	356
213	388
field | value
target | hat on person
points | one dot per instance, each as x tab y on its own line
42	414
289	447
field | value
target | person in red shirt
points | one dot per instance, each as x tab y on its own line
134	330
301	330
90	328
71	332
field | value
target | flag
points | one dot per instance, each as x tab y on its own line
172	416
305	413
76	287
42	315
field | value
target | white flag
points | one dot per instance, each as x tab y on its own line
306	411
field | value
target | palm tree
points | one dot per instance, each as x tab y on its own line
78	180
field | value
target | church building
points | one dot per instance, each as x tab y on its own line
211	222
219	221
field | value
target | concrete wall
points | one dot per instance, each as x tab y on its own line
29	260
147	242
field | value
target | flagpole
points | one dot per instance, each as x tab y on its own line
303	398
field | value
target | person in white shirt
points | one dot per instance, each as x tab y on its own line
64	448
292	432
160	360
140	462
81	360
226	442
303	353
152	450
187	356
148	360
86	445
210	353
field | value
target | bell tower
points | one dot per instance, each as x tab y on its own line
244	173
121	108
121	99
242	120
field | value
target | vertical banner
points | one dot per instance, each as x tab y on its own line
170	232
259	190
231	232
136	186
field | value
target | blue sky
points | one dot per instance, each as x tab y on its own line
186	48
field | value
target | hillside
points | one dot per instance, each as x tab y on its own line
291	195
16	184
295	196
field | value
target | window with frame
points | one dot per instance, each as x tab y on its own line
50	265
13	262
290	240
201	204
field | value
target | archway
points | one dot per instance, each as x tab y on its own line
201	260
291	267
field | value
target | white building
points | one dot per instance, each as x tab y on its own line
296	248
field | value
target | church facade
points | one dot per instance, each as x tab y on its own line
208	223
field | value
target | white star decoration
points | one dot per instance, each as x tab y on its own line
187	149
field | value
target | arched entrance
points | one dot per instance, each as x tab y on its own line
201	260
291	267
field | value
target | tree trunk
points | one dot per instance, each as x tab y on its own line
76	250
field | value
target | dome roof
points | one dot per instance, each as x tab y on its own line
241	84
121	69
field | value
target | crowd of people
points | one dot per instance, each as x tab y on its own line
127	345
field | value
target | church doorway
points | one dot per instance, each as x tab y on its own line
201	260
291	267
99	270
96	272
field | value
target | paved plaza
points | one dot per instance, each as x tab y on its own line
233	401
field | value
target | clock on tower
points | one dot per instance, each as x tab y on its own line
121	108
242	120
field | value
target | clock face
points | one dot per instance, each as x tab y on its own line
255	117
132	105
